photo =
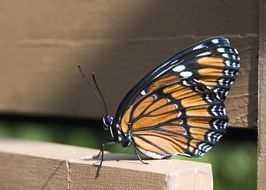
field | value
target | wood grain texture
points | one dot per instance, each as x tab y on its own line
261	162
120	41
36	165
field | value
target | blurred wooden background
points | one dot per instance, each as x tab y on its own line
42	41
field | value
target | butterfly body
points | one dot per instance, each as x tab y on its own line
116	132
178	108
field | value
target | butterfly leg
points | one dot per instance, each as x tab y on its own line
101	153
136	152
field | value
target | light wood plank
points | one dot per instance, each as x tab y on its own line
37	165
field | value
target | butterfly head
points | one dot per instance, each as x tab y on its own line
107	122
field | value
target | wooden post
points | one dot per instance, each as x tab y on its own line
262	99
36	165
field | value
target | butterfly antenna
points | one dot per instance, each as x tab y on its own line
96	92
100	93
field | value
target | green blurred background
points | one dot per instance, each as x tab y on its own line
233	159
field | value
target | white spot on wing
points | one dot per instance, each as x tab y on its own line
155	96
198	47
215	41
214	110
204	53
211	135
221	50
186	74
204	147
186	83
226	72
227	62
224	111
197	152
143	92
208	98
179	68
218	137
201	146
215	124
168	100
207	148
225	55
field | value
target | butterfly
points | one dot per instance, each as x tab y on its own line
178	108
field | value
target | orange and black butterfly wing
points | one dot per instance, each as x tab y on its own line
215	66
199	77
213	63
183	117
